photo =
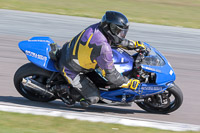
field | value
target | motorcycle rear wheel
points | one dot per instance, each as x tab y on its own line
31	70
172	105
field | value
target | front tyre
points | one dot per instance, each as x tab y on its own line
164	103
34	72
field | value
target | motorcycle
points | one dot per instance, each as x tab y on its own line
157	92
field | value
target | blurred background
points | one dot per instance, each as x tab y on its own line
183	13
171	26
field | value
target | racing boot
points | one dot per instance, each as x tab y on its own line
84	103
76	95
90	93
84	91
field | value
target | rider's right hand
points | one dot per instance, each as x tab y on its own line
138	46
132	84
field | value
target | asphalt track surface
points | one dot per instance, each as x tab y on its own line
181	46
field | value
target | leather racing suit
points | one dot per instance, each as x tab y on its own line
85	52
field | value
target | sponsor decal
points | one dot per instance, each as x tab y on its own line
37	56
152	69
120	50
122	60
39	41
151	88
171	72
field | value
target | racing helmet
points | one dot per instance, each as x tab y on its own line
114	26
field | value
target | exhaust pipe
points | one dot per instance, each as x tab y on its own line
36	86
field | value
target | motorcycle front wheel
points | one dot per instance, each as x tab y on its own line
163	103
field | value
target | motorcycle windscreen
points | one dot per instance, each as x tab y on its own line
37	51
158	64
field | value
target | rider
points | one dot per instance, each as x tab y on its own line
91	49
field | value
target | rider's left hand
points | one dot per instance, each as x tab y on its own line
132	84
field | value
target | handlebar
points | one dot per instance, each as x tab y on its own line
141	55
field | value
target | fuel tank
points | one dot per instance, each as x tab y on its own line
122	60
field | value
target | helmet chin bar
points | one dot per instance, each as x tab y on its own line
114	39
118	31
109	35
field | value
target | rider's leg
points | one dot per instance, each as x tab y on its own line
83	88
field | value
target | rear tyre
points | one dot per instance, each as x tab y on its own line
173	97
32	71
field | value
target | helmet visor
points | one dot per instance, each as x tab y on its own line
122	33
118	31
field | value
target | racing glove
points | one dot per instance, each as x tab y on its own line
132	84
138	45
130	45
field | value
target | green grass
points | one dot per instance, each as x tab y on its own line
185	13
26	123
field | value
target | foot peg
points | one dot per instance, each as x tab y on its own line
69	102
63	93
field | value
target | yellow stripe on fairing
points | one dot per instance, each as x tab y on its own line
74	50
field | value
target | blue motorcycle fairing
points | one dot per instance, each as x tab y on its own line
122	60
142	91
164	73
164	77
37	51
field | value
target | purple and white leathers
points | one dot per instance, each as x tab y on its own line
91	49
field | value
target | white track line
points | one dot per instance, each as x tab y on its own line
103	118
